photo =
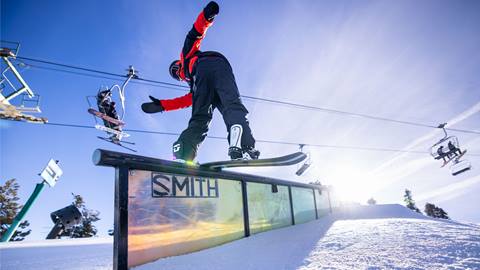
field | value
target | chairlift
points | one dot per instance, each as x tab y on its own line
306	164
8	110
111	123
447	148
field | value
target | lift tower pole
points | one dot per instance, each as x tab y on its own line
50	175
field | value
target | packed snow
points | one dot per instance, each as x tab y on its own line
356	237
77	254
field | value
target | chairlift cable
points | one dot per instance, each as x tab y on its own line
98	71
105	77
259	141
285	103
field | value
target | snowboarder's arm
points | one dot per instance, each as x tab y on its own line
177	103
197	33
199	29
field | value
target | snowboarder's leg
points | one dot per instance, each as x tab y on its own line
234	112
185	148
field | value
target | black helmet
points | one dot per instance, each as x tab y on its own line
174	70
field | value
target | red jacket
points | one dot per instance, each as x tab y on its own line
188	58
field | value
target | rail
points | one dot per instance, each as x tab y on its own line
165	208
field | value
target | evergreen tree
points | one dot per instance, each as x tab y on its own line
436	212
372	201
86	228
9	208
409	202
442	214
429	209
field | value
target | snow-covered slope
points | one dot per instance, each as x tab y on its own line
359	237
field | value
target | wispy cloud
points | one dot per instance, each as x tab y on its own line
429	137
450	191
399	166
342	58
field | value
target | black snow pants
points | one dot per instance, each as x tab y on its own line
214	88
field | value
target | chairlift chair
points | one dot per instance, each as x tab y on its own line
443	142
306	164
448	146
20	87
452	152
111	123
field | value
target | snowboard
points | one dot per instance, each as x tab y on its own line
106	117
286	160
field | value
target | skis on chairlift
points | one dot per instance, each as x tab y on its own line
117	142
119	133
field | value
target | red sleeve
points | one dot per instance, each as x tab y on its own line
194	39
177	103
202	24
196	35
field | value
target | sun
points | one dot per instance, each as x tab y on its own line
352	190
350	184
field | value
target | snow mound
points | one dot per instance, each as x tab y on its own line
355	237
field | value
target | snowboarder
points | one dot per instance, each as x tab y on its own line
212	85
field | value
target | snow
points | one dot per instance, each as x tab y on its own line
356	237
77	254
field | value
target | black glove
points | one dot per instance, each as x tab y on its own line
211	10
152	107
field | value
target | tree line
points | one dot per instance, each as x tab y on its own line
10	207
430	209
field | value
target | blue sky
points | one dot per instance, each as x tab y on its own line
407	60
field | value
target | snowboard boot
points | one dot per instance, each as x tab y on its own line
235	139
181	153
235	151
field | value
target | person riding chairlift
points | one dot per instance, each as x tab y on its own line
107	106
453	149
442	154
